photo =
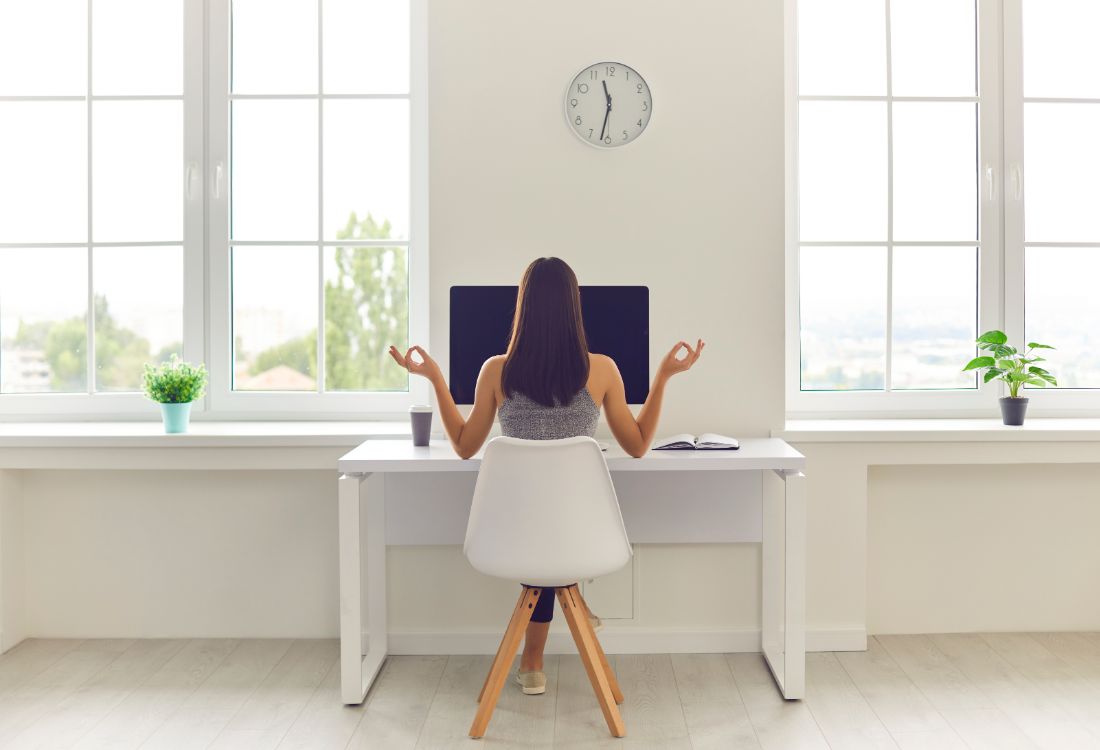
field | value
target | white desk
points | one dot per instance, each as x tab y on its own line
783	573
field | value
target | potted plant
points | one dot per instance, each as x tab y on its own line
1016	368
174	385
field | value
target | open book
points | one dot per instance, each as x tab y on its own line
708	441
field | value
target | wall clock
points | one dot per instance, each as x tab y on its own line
608	105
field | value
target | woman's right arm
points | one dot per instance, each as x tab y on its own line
635	435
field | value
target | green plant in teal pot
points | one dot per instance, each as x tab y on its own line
1007	363
174	385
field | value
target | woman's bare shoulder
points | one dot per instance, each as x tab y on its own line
602	363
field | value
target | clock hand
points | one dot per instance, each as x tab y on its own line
608	113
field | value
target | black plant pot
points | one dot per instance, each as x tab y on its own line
1013	410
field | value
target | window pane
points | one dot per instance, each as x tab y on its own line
1062	160
137	47
43	172
842	312
366	46
274	170
138	312
842	47
43	328
43	47
366	310
935	171
137	177
1062	309
275	318
1061	55
935	316
274	47
367	166
842	171
932	47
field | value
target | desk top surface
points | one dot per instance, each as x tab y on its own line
754	454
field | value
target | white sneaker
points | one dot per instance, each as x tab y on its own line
532	683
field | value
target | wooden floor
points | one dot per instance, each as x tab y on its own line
996	691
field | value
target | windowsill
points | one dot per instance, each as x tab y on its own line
937	431
200	434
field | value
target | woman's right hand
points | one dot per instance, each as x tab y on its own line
673	364
427	367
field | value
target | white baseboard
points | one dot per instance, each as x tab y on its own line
621	640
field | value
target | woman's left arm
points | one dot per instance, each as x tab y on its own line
466	435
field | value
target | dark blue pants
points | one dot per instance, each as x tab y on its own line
544	607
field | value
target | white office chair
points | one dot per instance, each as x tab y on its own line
545	514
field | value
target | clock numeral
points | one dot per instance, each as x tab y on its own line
590	132
639	123
625	136
645	106
610	70
582	88
628	75
607	140
639	88
572	102
592	74
578	120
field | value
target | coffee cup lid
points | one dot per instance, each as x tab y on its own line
420	408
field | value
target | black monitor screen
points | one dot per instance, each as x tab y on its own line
616	323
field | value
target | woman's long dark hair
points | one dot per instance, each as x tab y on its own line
547	357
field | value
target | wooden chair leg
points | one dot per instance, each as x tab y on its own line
568	597
503	642
503	661
616	691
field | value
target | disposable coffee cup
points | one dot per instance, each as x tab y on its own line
421	419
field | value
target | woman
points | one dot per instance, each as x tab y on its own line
546	386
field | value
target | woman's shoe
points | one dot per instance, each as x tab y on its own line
532	683
595	622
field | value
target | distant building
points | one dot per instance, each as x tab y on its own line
24	371
278	378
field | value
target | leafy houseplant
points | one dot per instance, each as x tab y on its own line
1004	362
174	385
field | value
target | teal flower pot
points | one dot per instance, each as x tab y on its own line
176	417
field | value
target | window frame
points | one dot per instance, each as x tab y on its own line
207	317
1000	243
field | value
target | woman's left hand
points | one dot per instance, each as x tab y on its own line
427	367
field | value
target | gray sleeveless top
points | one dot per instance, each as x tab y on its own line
521	417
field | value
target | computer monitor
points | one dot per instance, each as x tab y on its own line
616	323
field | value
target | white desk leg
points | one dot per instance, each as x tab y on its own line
783	586
356	673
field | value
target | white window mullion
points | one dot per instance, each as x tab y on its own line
320	196
90	317
888	374
1012	65
194	193
219	355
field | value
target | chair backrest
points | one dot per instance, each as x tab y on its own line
545	513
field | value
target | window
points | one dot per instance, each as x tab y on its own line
902	243
91	193
260	208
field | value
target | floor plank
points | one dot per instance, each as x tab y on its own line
578	721
897	702
652	710
263	720
30	658
325	723
779	723
846	719
398	704
27	704
139	714
713	710
932	672
1026	705
64	724
453	707
206	711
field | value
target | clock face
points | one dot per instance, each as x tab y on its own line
608	104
